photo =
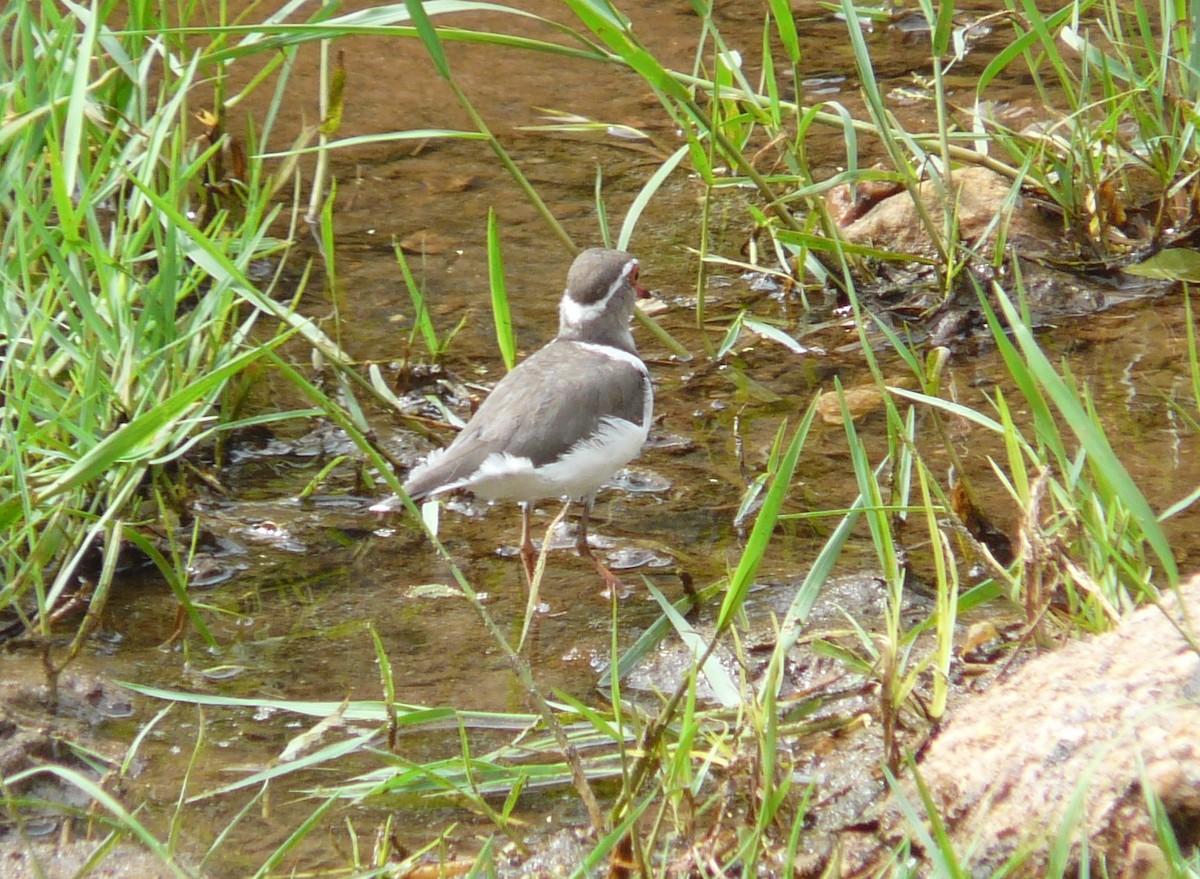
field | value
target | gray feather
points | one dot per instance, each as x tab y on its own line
520	418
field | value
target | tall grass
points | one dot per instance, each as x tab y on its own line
132	232
1120	136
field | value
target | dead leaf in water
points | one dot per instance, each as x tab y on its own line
450	183
309	739
652	307
433	590
859	401
981	635
978	523
426	242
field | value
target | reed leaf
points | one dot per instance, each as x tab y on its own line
501	315
1110	473
756	546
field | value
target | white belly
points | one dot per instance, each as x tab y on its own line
578	474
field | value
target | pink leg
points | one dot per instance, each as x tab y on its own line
612	584
528	556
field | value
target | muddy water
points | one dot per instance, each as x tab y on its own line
297	587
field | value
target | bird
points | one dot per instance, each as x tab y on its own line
565	419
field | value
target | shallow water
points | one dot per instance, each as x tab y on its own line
299	586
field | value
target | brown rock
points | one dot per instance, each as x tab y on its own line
894	224
1073	736
860	402
426	242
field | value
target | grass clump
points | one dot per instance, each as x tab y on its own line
1118	152
136	238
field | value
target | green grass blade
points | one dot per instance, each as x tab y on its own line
781	13
414	716
77	104
1107	467
659	629
422	321
723	686
603	20
421	134
294	839
647	192
139	437
805	597
764	524
501	315
958	410
120	816
601	208
428	36
1193	345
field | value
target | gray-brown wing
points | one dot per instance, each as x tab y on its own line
551	401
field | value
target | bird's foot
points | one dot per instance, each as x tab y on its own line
612	583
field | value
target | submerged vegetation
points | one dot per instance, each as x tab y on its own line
150	280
